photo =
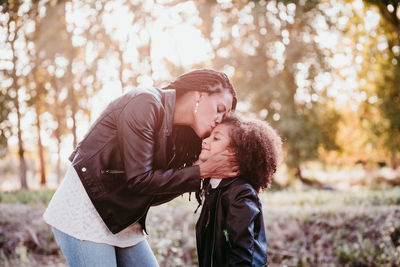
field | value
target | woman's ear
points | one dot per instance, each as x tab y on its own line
202	94
197	95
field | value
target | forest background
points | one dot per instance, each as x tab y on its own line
325	74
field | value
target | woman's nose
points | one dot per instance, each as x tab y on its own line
219	117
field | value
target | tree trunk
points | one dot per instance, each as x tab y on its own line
41	154
395	162
22	163
298	172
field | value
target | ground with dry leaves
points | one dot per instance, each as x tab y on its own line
312	228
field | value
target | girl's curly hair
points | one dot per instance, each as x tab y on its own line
257	146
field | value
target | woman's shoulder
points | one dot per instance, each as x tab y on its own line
143	98
147	93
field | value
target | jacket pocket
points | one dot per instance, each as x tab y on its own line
106	172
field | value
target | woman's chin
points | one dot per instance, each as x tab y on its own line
202	133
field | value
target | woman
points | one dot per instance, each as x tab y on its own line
138	153
230	228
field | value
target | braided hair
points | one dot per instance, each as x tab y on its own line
203	80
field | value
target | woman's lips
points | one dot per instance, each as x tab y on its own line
203	148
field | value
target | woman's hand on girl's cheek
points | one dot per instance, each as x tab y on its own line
221	165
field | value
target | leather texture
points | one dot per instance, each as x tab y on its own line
230	230
123	160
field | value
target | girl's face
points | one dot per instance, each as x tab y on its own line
211	109
217	142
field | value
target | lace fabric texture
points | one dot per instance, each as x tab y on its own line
71	211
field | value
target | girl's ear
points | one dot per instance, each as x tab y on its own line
231	150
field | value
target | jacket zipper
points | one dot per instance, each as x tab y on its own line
111	172
213	243
173	155
170	161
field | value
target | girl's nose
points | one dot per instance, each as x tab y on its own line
205	141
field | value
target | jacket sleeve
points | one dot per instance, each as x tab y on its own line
137	126
242	211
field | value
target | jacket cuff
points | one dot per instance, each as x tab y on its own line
196	181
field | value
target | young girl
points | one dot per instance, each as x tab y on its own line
230	229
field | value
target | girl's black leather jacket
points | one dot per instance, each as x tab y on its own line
123	160
230	230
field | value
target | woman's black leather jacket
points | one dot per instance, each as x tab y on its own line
123	160
230	230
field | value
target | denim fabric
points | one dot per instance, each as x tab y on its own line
81	253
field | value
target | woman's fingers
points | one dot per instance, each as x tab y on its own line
221	165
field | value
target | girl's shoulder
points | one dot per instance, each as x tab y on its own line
240	188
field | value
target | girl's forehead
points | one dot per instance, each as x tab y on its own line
221	128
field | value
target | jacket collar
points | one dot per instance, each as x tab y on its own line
169	96
225	182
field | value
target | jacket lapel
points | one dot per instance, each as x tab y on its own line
160	154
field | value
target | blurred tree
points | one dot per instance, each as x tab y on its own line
71	78
5	98
272	48
16	14
59	114
380	75
35	81
101	45
38	95
388	86
140	38
5	126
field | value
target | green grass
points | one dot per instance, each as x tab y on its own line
269	198
27	197
326	197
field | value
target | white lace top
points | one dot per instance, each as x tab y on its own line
71	211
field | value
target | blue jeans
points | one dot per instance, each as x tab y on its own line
86	253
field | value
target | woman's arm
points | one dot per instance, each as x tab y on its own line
138	125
